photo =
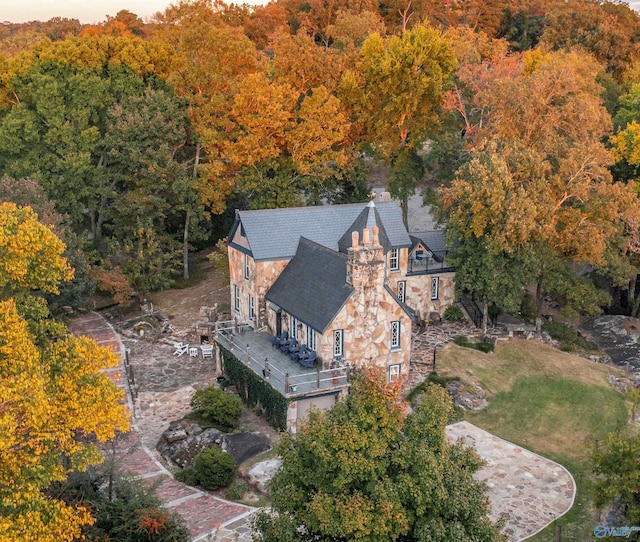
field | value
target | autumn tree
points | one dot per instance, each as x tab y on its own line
607	30
394	96
211	59
56	401
367	470
284	143
264	22
542	184
76	292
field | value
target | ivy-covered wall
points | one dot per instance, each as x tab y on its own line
254	390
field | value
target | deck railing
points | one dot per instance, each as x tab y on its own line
230	335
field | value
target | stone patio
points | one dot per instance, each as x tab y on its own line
525	489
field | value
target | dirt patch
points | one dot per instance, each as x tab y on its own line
182	306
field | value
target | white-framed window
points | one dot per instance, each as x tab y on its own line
293	330
402	290
394	260
338	343
394	372
395	335
311	338
252	307
236	297
435	287
246	267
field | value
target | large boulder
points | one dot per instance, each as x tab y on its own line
184	440
242	446
260	473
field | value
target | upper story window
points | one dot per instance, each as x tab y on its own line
236	297
338	343
395	335
246	266
394	260
402	290
435	288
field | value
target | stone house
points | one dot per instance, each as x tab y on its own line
347	280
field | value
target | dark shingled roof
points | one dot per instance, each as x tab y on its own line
368	218
273	234
313	286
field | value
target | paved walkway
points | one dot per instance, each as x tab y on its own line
529	491
206	516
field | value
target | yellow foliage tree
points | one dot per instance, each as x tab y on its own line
55	402
30	253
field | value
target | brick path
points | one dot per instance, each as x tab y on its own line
206	516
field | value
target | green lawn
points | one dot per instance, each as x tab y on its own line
553	403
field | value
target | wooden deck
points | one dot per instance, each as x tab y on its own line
255	351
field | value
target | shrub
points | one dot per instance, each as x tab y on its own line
187	476
453	313
482	346
569	340
236	492
221	408
214	468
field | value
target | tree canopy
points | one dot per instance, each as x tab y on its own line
367	470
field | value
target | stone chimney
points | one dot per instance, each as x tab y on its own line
365	266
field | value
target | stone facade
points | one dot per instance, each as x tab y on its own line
419	292
251	280
371	328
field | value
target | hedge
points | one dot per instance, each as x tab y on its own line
254	390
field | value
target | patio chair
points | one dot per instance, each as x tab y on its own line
207	350
302	351
284	347
293	347
308	362
277	340
180	348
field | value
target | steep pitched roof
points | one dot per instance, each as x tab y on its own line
273	234
368	218
313	286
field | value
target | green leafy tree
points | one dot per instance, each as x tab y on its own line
368	471
615	465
